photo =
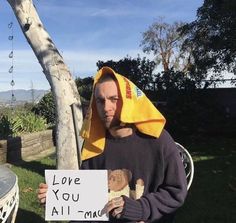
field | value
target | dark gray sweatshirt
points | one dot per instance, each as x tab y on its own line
156	161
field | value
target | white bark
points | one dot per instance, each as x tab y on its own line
59	77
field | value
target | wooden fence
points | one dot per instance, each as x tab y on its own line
19	148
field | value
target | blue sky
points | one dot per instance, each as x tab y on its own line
84	31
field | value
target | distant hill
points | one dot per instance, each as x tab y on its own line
22	95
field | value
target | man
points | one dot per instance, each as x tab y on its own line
124	131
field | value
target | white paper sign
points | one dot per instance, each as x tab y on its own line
76	195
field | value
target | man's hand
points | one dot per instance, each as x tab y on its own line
43	188
115	207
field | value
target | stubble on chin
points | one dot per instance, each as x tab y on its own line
111	124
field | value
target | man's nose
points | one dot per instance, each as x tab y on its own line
107	105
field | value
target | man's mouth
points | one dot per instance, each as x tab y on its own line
108	117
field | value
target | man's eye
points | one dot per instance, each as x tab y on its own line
114	99
98	100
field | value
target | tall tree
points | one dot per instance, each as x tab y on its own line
164	41
139	70
59	77
85	87
212	37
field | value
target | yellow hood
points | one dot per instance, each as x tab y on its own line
136	109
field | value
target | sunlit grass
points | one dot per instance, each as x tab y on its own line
30	174
202	158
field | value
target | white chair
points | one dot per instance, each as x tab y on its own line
9	200
187	162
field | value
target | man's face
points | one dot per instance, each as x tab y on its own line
108	102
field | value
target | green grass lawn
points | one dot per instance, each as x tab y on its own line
30	174
211	198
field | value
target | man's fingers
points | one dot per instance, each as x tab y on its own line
42	198
117	212
43	186
116	206
42	201
115	203
42	192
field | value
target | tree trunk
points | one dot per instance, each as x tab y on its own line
59	77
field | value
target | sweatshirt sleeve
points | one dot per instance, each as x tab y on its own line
169	196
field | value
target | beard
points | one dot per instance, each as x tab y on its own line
111	122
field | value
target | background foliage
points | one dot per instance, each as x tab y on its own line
46	108
183	56
212	38
14	124
138	70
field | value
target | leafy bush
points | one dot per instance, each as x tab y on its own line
28	123
46	108
5	127
18	123
193	113
85	87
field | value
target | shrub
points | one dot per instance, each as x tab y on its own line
5	127
28	123
46	108
17	123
